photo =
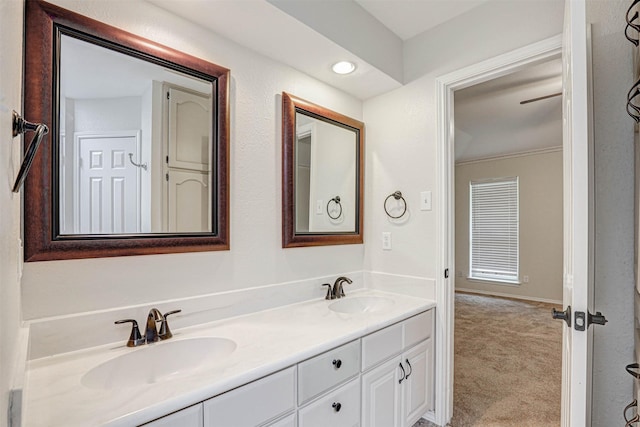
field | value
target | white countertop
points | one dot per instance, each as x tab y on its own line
267	341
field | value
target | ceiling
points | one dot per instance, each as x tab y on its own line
490	121
408	18
373	33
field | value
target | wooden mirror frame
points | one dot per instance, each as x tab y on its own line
290	238
40	212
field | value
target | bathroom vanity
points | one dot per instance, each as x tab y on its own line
365	359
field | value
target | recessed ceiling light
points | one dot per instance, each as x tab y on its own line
343	67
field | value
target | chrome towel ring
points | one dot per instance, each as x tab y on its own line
336	201
398	196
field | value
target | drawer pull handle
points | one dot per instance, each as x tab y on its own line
404	374
336	406
337	363
410	367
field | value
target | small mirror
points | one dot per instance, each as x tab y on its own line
322	175
137	158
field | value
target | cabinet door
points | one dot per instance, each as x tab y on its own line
188	201
188	417
382	394
339	408
189	129
418	384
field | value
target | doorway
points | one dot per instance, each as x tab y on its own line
445	292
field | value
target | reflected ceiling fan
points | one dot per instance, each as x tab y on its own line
527	101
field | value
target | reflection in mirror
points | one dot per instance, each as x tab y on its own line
325	170
137	158
135	144
322	175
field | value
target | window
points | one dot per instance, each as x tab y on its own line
493	230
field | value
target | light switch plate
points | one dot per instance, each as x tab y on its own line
425	201
319	206
386	241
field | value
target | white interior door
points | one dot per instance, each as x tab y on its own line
107	184
578	218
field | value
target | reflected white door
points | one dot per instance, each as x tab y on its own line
107	184
188	201
189	130
578	217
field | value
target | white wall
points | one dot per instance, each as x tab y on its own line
10	155
401	150
614	209
540	192
256	257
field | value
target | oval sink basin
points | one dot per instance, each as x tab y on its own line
157	362
363	304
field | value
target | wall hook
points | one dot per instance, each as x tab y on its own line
138	165
21	126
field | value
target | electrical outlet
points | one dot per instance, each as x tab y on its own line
20	258
525	279
386	241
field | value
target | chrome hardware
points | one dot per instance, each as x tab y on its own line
397	195
404	374
336	201
20	126
338	291
337	406
138	165
165	332
151	333
337	363
580	323
329	292
135	339
631	405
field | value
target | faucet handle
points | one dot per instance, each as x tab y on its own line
165	332
135	339
329	292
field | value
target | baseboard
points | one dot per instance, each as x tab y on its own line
507	295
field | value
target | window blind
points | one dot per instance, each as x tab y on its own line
494	230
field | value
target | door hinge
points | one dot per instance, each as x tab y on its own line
166	176
581	325
446	273
168	95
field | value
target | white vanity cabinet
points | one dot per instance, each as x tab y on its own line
254	404
384	379
397	389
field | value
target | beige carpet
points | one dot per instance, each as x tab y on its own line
508	363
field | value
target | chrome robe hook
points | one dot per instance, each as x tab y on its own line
21	126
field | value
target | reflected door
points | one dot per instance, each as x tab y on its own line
108	185
188	189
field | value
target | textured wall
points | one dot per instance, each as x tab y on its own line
614	283
10	149
256	257
540	188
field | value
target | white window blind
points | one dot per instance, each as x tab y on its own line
494	230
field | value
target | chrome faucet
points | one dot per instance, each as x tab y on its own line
151	333
338	291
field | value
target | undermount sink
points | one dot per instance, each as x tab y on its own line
157	362
361	304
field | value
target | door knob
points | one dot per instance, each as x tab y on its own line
563	315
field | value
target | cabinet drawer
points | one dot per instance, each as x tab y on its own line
289	421
253	404
340	408
188	417
417	328
381	345
327	370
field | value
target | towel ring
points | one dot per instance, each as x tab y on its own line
335	200
396	195
626	409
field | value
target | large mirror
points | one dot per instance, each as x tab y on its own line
137	158
323	177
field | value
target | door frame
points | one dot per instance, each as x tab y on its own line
446	85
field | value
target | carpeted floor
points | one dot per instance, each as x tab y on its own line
508	363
